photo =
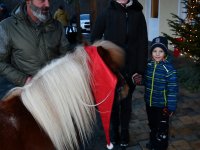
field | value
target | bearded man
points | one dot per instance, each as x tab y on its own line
29	39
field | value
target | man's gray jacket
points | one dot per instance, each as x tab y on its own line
25	48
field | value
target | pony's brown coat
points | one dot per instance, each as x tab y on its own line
19	130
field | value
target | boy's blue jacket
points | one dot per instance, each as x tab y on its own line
161	87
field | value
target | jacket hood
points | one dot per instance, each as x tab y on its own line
135	5
60	11
19	11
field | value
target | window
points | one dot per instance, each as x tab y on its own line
154	8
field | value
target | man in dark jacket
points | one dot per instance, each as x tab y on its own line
124	24
29	39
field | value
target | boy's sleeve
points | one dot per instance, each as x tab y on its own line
172	90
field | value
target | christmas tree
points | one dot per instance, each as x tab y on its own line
186	38
186	42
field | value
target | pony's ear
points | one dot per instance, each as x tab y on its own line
13	93
112	55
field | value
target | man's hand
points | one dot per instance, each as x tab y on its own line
171	113
28	80
137	79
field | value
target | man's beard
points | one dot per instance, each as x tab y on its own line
41	13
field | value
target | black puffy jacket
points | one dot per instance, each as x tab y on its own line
125	26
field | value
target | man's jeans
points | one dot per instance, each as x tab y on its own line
5	86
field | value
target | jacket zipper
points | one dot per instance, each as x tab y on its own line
37	34
45	52
152	83
43	49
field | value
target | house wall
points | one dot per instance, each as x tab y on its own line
166	8
143	4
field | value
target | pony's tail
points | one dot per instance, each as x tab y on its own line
55	98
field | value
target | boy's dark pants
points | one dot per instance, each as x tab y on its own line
159	126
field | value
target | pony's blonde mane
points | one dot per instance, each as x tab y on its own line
60	94
56	97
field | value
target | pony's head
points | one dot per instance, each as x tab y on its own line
59	96
112	55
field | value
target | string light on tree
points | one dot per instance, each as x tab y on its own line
187	31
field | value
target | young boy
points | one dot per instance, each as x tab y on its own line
160	93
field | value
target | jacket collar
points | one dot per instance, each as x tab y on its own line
133	4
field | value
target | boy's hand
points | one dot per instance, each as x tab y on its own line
137	79
168	112
171	113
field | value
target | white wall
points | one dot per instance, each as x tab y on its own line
166	8
143	4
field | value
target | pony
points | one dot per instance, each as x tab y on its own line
56	109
